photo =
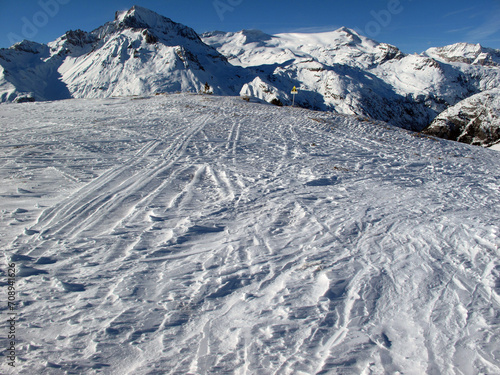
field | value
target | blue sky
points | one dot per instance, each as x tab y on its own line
411	25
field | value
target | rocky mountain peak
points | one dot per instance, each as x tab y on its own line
467	53
138	17
351	35
29	46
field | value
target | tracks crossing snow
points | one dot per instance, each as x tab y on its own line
230	237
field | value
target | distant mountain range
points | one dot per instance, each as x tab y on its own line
450	91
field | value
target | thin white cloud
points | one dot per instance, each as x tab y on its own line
460	30
459	11
490	27
315	29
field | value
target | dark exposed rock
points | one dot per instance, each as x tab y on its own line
78	37
150	38
24	99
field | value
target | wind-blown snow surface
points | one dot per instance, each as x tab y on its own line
189	234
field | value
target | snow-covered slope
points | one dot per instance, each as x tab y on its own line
332	71
29	72
190	234
475	120
342	46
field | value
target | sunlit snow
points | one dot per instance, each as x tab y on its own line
190	234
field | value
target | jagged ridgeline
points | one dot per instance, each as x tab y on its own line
143	53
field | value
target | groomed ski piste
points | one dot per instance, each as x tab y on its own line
195	234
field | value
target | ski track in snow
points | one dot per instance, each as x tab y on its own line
188	234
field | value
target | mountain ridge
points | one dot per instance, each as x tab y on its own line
143	53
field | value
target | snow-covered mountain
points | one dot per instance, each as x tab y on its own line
342	46
143	53
345	72
140	52
474	54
